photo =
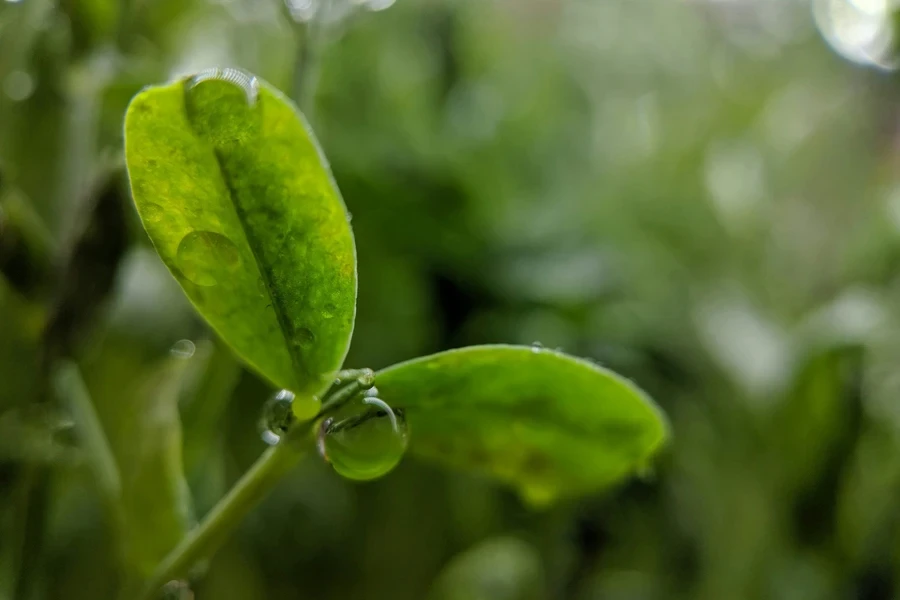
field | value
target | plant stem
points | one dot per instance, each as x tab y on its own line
306	67
224	517
70	387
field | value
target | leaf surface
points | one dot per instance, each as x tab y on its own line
550	424
241	206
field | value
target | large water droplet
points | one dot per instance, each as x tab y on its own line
221	105
277	417
536	347
366	444
203	256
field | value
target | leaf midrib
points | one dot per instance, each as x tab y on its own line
274	299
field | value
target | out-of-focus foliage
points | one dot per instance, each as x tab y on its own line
702	195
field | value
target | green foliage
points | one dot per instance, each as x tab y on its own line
702	196
231	188
547	423
238	202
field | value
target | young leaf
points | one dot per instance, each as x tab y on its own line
238	200
549	424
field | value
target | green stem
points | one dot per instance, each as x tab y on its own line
224	517
309	54
343	392
70	387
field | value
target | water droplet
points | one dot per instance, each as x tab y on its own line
536	347
329	310
349	216
183	349
306	407
366	444
304	337
202	256
366	378
221	105
247	82
152	213
277	416
18	85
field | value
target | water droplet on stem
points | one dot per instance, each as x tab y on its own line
306	407
277	417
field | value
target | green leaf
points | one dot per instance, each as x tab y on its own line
549	424
240	204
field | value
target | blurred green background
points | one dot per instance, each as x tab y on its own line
700	194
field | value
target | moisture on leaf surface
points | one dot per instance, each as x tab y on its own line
549	424
238	200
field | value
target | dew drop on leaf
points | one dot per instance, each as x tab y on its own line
304	337
248	83
221	105
152	213
202	257
366	444
536	347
